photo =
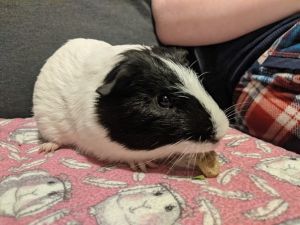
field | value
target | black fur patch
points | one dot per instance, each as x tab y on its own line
130	111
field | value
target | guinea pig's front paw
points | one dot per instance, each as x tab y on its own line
48	147
141	166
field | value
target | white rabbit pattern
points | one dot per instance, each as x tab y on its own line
259	183
141	205
30	193
285	168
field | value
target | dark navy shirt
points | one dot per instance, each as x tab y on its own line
227	62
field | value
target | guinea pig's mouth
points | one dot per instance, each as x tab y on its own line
184	160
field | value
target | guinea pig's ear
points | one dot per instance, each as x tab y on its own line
111	80
178	55
105	89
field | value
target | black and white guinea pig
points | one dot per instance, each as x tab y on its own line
129	103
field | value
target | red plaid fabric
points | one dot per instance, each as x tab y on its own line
268	95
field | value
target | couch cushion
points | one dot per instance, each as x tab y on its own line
30	31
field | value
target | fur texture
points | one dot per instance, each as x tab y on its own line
110	102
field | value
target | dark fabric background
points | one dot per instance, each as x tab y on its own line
31	30
227	62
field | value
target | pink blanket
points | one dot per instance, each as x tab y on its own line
259	184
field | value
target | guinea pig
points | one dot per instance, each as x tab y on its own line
124	103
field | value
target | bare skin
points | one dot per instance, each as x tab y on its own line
200	22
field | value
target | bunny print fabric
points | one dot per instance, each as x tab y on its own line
258	184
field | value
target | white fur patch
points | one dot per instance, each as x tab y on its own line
192	86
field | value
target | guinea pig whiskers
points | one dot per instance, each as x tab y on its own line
201	75
175	159
152	160
189	161
195	162
230	107
237	104
172	153
233	114
178	142
229	113
169	157
245	107
188	164
162	153
179	158
232	117
190	66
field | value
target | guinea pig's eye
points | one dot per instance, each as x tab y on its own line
164	101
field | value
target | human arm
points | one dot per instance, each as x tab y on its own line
203	22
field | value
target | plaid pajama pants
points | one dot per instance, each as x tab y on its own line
267	96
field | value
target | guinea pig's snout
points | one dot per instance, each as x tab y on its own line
213	136
208	135
215	140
